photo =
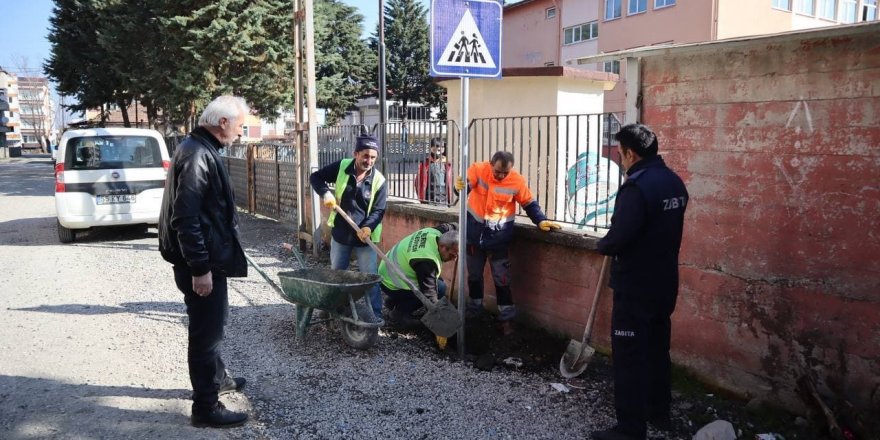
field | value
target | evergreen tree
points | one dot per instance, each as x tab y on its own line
344	63
408	62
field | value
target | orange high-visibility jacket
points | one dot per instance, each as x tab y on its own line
491	206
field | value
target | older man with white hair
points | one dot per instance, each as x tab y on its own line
198	234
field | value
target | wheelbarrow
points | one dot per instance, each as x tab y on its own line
337	292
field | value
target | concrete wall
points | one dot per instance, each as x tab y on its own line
778	144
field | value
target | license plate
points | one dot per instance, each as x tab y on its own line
116	198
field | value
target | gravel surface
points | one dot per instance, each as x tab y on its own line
94	343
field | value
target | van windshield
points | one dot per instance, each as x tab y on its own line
103	152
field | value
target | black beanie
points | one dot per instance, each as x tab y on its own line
365	141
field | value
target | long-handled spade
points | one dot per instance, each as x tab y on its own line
578	354
441	318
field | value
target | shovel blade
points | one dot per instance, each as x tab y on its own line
575	359
442	318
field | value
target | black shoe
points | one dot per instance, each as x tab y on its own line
232	385
613	434
216	416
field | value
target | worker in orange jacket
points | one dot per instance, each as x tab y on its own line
494	189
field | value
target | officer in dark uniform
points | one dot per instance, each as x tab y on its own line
643	241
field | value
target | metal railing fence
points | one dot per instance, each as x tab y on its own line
569	162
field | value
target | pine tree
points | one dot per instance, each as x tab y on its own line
408	51
343	60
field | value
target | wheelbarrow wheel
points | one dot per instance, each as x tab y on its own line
359	337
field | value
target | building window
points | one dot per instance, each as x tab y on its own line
581	32
805	7
612	9
612	66
637	6
550	13
869	10
849	11
244	131
782	4
663	3
827	9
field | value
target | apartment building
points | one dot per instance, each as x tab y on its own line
541	32
9	82
37	112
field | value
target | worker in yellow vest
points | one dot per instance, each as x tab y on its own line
360	190
420	257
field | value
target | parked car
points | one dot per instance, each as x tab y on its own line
109	176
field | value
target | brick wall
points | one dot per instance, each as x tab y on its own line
778	144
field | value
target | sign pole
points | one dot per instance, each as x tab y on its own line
462	212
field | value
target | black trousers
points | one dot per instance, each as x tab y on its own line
640	333
207	317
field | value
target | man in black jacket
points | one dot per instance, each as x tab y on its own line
198	234
644	241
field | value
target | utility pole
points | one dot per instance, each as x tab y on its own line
306	126
383	108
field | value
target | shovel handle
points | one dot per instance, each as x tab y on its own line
388	262
603	278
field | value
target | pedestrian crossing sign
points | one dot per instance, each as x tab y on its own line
466	38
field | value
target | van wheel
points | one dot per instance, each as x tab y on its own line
65	235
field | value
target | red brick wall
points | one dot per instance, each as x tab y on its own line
779	144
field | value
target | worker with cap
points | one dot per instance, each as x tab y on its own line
420	257
494	190
361	192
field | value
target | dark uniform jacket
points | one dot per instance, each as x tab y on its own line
198	225
646	229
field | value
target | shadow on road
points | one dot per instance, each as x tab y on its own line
46	408
34	177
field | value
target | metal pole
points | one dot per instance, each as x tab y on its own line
383	108
462	210
311	97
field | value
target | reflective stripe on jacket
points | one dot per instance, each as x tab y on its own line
491	206
421	245
342	179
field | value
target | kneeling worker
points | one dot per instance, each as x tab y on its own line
420	257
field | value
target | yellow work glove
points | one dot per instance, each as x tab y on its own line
459	183
364	233
547	225
329	200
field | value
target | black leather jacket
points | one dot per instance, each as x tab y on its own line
198	225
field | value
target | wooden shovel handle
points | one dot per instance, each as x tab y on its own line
392	265
603	280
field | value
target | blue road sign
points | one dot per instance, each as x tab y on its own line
466	38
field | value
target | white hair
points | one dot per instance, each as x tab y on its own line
449	238
226	106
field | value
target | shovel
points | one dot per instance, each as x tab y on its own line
441	318
578	354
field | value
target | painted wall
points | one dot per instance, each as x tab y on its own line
528	38
576	12
777	143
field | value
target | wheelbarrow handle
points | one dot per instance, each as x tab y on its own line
264	275
388	262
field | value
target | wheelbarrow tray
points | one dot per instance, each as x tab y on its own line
325	289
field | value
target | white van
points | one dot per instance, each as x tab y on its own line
109	176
